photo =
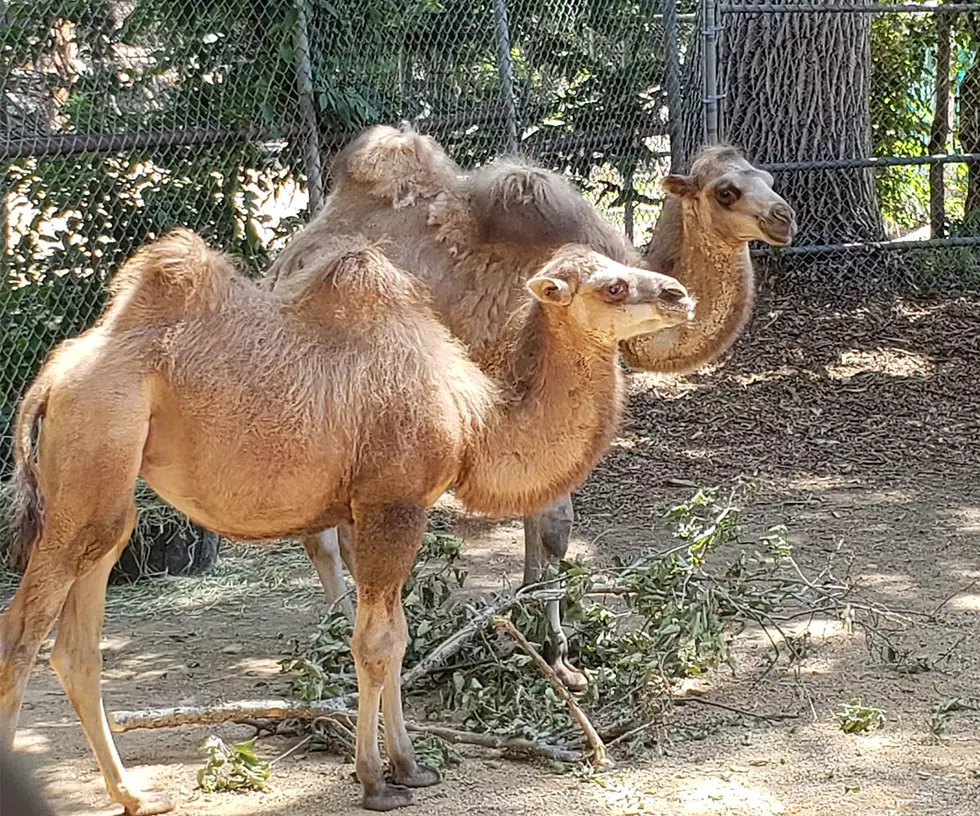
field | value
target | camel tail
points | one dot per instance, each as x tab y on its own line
527	205
28	506
176	275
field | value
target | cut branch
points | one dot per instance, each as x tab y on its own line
250	711
599	756
453	644
245	712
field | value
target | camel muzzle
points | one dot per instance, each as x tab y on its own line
779	225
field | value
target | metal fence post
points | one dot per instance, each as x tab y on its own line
673	83
311	133
710	34
506	72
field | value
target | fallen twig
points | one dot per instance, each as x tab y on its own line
516	744
776	717
238	712
953	594
332	710
292	750
599	756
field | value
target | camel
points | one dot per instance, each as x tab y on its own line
340	400
473	238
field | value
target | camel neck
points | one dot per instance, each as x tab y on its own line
717	271
704	247
562	401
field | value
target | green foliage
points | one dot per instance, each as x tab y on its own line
902	94
678	613
434	752
943	710
232	767
855	718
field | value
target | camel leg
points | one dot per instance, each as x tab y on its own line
324	551
385	541
77	661
398	745
24	624
546	536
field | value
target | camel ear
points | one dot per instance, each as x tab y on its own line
550	290
680	185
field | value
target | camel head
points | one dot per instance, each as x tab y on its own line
608	300
734	198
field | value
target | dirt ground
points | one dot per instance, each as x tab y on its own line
863	426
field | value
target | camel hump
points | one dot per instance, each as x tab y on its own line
350	269
398	165
175	275
526	205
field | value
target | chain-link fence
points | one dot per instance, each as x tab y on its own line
869	116
122	118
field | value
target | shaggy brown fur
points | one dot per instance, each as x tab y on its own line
475	238
702	238
341	400
529	206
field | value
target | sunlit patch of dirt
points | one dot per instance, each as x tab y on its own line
891	361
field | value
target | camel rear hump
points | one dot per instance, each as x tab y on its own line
522	204
351	279
176	275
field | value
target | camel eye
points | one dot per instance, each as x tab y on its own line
727	196
616	290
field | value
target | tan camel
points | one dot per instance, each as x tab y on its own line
702	237
341	401
474	238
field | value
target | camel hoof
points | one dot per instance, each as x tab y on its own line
148	804
388	798
571	678
419	777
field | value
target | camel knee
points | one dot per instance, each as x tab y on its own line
375	648
555	525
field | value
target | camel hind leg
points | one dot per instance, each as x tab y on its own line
329	550
77	661
89	455
24	624
546	536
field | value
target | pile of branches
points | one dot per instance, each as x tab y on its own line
636	628
473	669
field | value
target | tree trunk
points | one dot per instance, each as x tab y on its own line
797	89
940	129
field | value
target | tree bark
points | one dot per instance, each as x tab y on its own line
797	89
940	129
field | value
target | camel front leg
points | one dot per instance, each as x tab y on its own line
404	769
546	536
385	541
78	663
324	550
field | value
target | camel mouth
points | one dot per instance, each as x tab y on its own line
675	314
778	233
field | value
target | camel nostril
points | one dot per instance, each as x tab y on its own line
673	293
781	212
